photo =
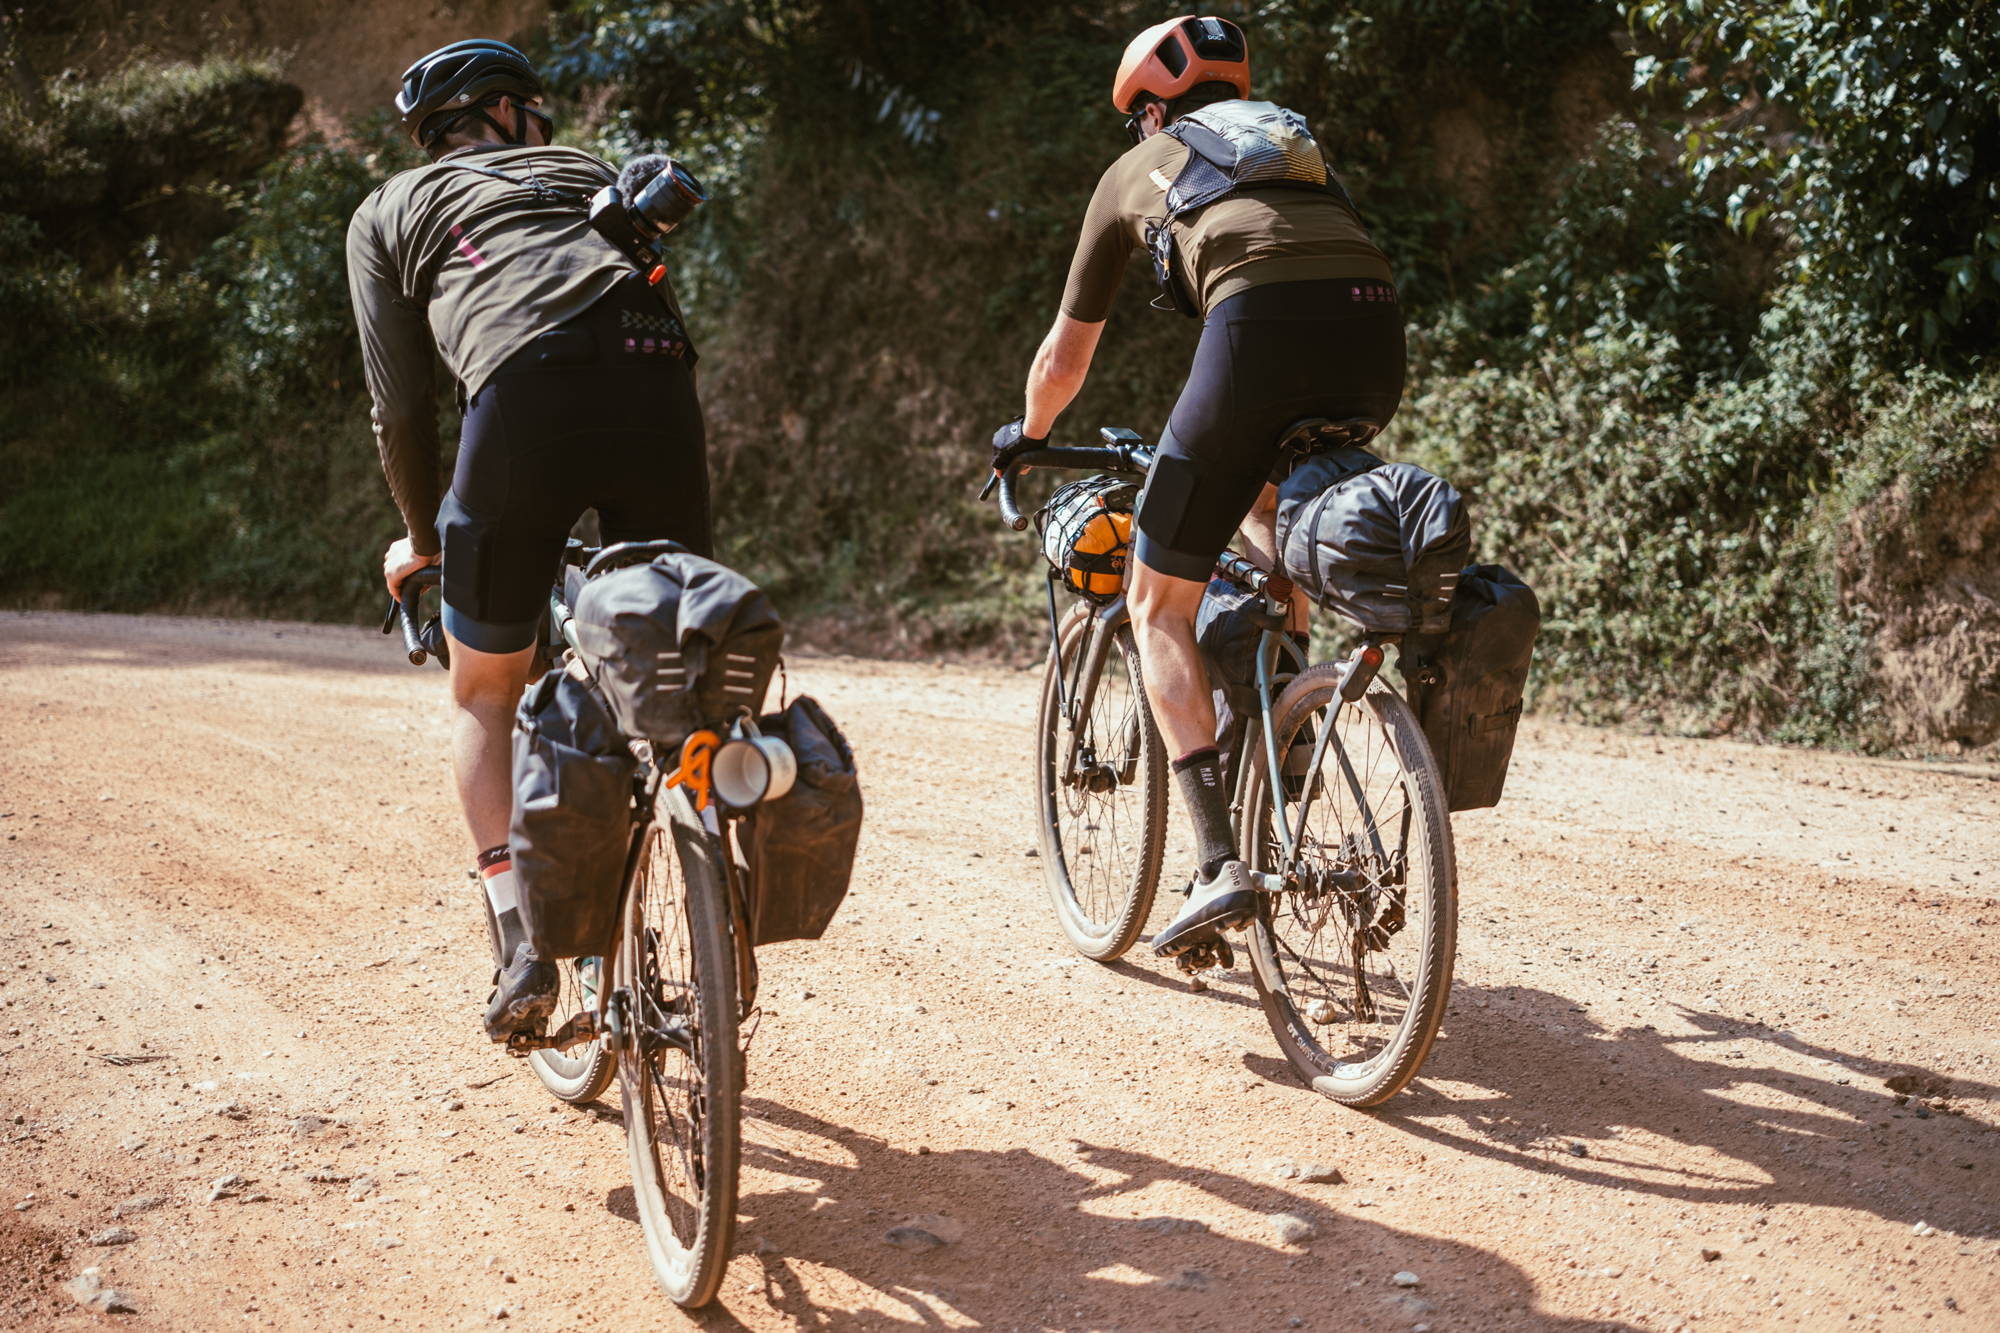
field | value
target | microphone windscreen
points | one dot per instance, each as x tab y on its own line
639	173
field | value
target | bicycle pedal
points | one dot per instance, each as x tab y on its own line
1267	882
521	1045
1206	955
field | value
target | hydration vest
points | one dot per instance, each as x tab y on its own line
1233	147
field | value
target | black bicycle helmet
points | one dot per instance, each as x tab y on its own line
461	80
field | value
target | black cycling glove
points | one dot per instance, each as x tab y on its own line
1009	443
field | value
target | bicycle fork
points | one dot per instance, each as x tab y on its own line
1079	694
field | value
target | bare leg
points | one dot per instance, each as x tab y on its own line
1260	535
485	688
1163	612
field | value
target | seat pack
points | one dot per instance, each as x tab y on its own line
676	641
1381	543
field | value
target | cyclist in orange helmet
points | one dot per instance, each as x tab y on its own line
1253	233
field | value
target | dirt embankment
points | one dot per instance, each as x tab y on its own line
239	943
345	54
1926	577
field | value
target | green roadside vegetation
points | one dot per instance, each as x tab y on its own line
1703	321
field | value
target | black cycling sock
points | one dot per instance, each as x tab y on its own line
1200	775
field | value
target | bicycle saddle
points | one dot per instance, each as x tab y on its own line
620	554
1312	434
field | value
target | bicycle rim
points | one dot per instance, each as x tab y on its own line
1102	819
581	1073
682	1104
1353	959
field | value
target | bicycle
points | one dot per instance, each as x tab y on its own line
664	1007
1353	942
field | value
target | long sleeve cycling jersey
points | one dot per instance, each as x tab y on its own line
448	262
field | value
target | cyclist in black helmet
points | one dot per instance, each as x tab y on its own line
576	375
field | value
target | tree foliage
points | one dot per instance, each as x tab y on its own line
1869	130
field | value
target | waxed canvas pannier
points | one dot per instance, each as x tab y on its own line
800	846
1467	683
1381	543
572	819
676	641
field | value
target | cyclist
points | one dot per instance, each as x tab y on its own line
575	374
1300	319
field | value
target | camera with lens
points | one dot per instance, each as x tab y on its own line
652	196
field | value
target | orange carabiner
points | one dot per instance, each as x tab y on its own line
697	753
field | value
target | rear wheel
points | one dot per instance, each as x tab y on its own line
680	1063
1353	959
1100	795
582	1073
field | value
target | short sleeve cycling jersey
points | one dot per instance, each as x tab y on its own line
1245	240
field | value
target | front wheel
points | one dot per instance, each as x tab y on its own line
680	1064
1100	792
1353	957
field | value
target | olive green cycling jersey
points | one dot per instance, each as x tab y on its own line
1266	235
444	258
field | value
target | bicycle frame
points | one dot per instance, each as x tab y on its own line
1077	689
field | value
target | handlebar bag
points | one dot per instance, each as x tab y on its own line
1381	543
1086	532
572	821
800	847
1467	684
678	642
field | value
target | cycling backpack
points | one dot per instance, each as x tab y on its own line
1381	543
1087	534
800	846
1467	683
572	820
1233	146
676	641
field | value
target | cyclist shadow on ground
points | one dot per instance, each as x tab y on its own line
1089	1241
1544	1076
1233	986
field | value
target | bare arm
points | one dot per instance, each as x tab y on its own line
1058	372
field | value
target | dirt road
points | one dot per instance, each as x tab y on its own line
1686	968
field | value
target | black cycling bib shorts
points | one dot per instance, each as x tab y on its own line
1268	356
599	412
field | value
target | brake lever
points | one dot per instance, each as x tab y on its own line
992	480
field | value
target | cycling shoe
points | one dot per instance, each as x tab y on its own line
524	995
1223	902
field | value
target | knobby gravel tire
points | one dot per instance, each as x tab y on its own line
1388	1071
683	1116
1101	880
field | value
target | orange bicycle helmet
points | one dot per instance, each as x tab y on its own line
1169	58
